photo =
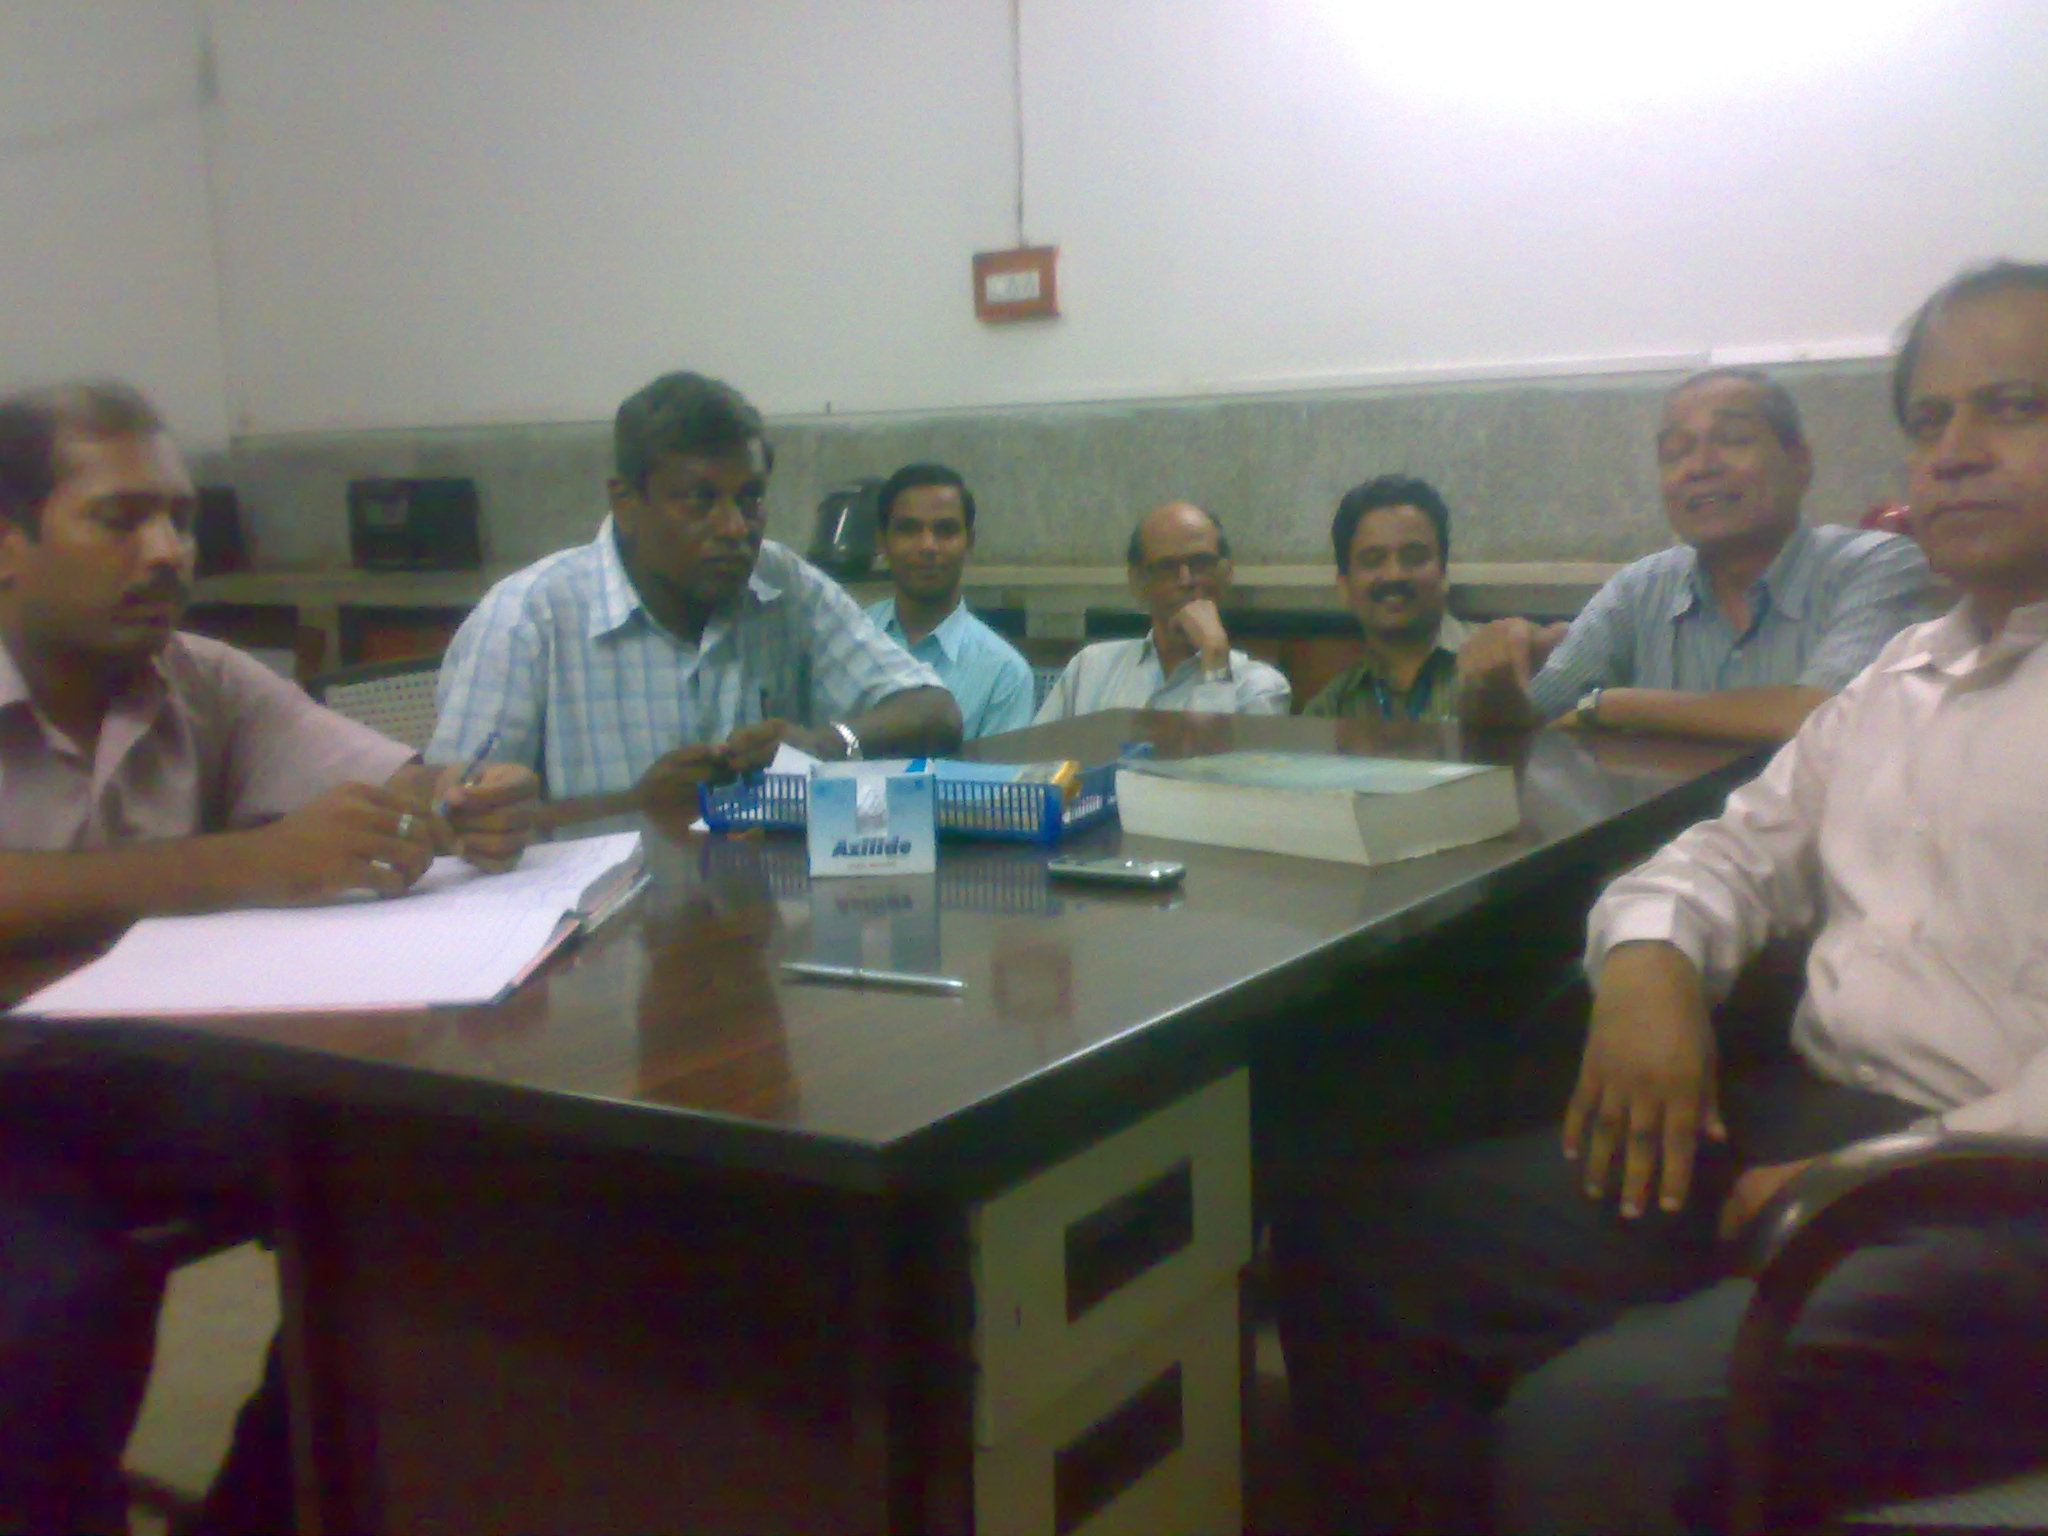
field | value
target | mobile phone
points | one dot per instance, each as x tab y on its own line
1146	874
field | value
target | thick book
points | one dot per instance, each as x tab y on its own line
458	936
1357	810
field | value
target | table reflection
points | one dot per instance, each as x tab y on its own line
708	1009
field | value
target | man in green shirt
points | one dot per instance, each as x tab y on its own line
1392	538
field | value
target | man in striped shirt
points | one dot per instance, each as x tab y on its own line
679	646
1740	631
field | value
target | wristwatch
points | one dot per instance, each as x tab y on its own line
1588	709
1221	674
852	741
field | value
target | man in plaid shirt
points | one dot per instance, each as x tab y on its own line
679	645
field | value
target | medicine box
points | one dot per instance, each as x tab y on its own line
875	818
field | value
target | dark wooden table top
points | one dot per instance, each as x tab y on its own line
673	1028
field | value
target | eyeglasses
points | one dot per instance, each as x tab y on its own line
1168	567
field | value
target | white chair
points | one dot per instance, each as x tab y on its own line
395	698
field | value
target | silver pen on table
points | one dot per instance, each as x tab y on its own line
860	975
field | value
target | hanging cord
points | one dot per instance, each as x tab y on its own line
1017	103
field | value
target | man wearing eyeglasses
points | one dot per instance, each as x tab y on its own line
1179	565
680	645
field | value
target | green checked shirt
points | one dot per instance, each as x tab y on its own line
1361	692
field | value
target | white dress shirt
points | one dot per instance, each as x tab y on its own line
1125	674
1908	823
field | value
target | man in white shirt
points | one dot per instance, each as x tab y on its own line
1573	1314
1179	564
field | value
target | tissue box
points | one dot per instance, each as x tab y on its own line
874	819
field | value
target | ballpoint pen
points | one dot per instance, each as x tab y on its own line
469	774
860	975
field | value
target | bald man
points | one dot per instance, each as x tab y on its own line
1180	570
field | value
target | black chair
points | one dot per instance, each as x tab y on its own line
1860	1196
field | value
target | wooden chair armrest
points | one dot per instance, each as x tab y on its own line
1844	1202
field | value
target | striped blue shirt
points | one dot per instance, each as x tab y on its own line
581	684
1819	614
987	678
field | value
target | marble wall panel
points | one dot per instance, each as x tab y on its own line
1537	470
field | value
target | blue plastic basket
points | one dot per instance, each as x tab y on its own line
1010	813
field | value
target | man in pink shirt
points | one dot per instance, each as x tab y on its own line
1546	1330
146	771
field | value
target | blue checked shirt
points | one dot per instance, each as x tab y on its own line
1820	613
987	678
582	685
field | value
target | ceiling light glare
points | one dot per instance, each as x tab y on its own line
1592	57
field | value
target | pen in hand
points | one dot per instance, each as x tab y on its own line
469	774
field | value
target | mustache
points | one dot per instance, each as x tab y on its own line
1385	589
163	589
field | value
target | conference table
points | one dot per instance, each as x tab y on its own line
670	1241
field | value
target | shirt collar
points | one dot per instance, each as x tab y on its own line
1451	633
948	635
618	600
1788	579
1953	644
143	698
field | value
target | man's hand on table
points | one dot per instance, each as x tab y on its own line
1494	667
1647	1093
358	837
671	783
669	786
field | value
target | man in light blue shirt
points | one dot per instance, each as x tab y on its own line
678	646
927	525
1742	630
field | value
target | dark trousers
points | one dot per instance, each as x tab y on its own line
1472	1342
77	1328
87	1154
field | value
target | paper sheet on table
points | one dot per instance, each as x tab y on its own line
788	759
459	936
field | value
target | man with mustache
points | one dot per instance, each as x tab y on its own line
1543	1324
1392	538
680	645
927	526
1179	564
144	771
1741	631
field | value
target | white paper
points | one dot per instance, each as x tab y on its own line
459	936
790	759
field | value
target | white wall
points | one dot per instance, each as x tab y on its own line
464	211
507	210
106	253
